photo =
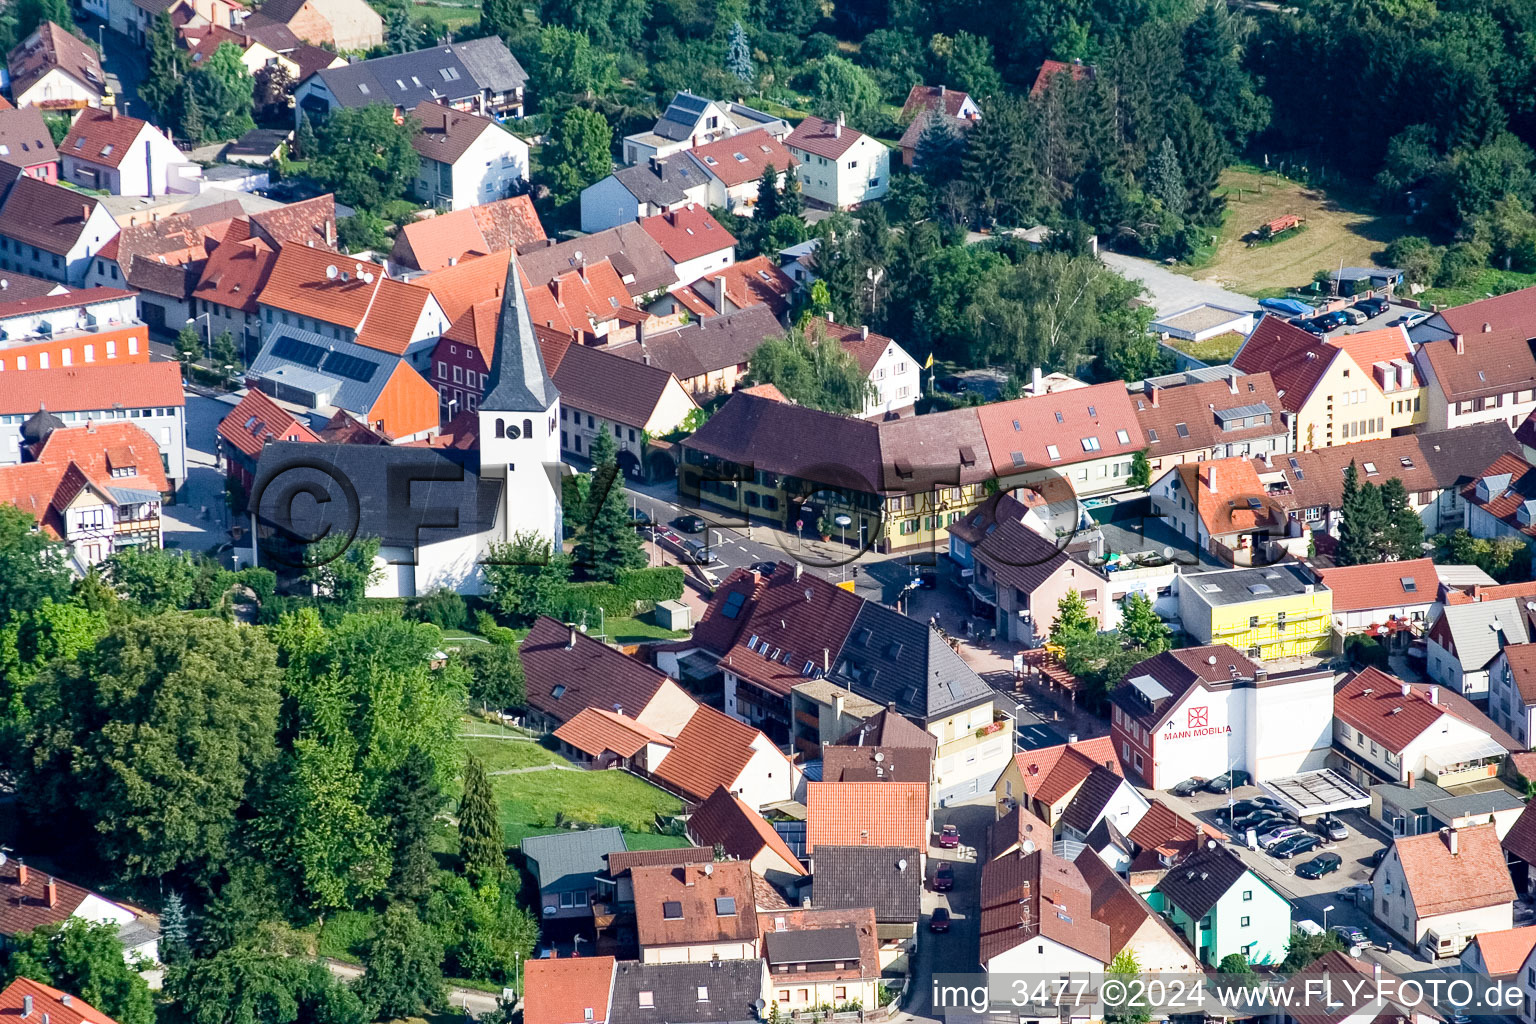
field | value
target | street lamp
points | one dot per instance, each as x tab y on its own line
1325	916
207	319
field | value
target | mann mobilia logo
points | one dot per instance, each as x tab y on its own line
1198	724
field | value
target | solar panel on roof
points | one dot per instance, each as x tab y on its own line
733	603
295	351
350	366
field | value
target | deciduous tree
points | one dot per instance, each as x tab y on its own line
31	565
1141	628
844	88
83	958
578	153
363	156
813	370
403	974
524	577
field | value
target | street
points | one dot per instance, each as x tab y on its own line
954	951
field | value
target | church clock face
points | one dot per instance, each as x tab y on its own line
512	432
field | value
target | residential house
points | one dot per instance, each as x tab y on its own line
147	394
1387	355
693	240
56	70
1476	362
709	356
588	304
573	990
886	878
1087	435
643	190
1011	830
1438	891
479	77
1159	841
880	813
97	489
906	748
840	166
1220	907
1512	691
248	428
1199	711
567	672
566	865
30	899
444	240
1388	730
1356	992
1222	507
725	990
1076	71
325	375
162	257
822	712
754	282
1037	918
466	159
1418	807
71	328
26	999
1391	599
733	167
1105	797
714	750
51	231
1501	501
1276	611
724	820
1327	397
1184	418
1500	954
640	262
125	156
1044	781
202	40
25	142
227	289
690	121
894	376
309	222
1019	577
821	958
695	913
338	24
1133	924
1464	639
926	103
606	739
1519	843
603	393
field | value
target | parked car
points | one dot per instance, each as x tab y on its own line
640	517
1348	933
949	837
1330	321
1228	781
690	524
1373	307
1285	849
1354	892
1263	820
1255	803
1278	834
697	550
939	922
1331	828
1409	320
765	568
1354	317
944	878
1189	787
1322	864
1310	325
1375	859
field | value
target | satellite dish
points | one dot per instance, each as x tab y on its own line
1211	660
901	865
1027	847
368	279
550	911
358	268
879	756
4	283
331	272
758	1004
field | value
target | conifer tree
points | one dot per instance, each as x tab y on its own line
768	205
175	940
481	844
1165	178
791	202
738	55
608	545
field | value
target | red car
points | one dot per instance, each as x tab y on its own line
944	878
949	837
939	922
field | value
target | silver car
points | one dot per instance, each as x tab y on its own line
1275	835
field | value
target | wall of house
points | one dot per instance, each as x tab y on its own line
1308	623
896	378
1359	619
793	993
668	710
1505	705
701	953
1090	477
484	173
607	204
1124	809
1251	915
767	778
967	764
1469	923
1481	524
1043	956
692	270
59	89
1021	618
407	406
125	344
1345	406
578	429
1159	952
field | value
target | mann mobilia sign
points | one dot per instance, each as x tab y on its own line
1197	724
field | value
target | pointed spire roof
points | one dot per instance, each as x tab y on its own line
518	379
36	428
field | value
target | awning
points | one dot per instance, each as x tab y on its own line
1465	751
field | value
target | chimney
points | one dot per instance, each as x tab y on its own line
1072	737
798	569
64	998
1407	689
1461	344
1260	674
1151	392
837	705
942	90
1487	328
22	874
805	903
1376	973
826	659
571	643
51	893
85	212
864	331
1451	842
1410	780
1232	384
26	1006
837	129
559	292
891	707
1434	695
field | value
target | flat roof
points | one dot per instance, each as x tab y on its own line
1317	792
1237	586
1200	318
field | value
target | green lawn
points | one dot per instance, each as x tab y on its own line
447	15
1214	351
632	630
1486	283
529	802
501	755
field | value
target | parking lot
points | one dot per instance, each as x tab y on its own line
1394	313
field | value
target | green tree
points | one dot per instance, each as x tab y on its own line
1303	949
32	567
1165	178
571	68
1215	76
155	738
175	932
768	206
1202	156
224	351
1403	534
1130	1010
363	231
1141	471
1418	258
273	94
168	64
403	974
342	568
966	62
238	986
738	55
402	34
507	19
842	88
1140	626
411	799
189	344
1234	963
482	846
53	631
607	543
578	153
812	370
1506	559
1072	619
1362	522
525	578
224	89
363	156
194	126
153	578
484	931
85	959
305	142
791	199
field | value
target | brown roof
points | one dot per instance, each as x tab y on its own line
1187	417
621	862
1394	720
930	97
596	731
1025	895
1522	665
1497	354
1511	500
1444	883
865	346
738	159
24	138
24	907
823	138
892	730
573	990
639	260
586	672
311	222
434	243
1165	836
1050	773
446	134
86	388
687	233
754	282
102	136
1019	433
50	217
235	274
1294	359
51	46
802	440
1520	840
712	751
608	386
1115	904
1015	553
866	814
875	764
809	930
1381	585
1015	828
257	420
778	630
25	995
726	820
705	345
694	891
1049	69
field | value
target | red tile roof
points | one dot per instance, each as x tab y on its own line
754	282
88	388
310	222
59	1007
694	888
392	317
446	134
859	921
433	243
51	46
866	814
1392	719
24	906
823	138
1363	587
1504	951
1507	504
257	420
1184	418
1164	833
744	833
1050	773
1051	68
738	159
712	751
1020	432
1220	490
929	97
473	280
576	301
573	990
1496	334
102	449
687	233
299	283
586	672
1444	883
1295	359
1025	895
68	300
1367	348
864	345
596	731
102	137
235	274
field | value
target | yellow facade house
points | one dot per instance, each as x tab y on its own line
1267	612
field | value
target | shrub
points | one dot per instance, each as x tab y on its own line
443	608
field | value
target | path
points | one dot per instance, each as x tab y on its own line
538	768
470	1000
1170	292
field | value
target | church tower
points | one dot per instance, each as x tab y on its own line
520	422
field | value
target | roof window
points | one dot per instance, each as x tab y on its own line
1053	452
1090	444
672	910
725	906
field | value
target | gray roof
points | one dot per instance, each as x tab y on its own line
812	945
491	64
357	489
681	117
518	380
1475	803
1201	879
850	877
893	659
661	184
568	861
1097	790
733	987
707	345
639	258
1236	586
1481	629
1422	794
258	142
337	373
436	73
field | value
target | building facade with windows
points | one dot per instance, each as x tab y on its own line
1275	611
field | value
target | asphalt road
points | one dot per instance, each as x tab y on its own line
954	951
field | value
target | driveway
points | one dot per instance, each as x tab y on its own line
199	521
954	951
1169	292
123	61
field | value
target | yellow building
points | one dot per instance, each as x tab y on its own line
1387	356
1273	611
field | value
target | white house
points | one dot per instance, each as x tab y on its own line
1375	594
1020	936
735	165
839	166
691	121
1437	891
1477	363
125	156
644	190
894	376
1512	692
693	240
1104	796
52	232
1464	638
52	67
36	898
466	159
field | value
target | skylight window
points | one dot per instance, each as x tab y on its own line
711	161
1123	437
558	691
725	906
672	910
416	81
1053	452
1210	588
1410	585
362	87
1405	462
1058	418
1090	444
449	74
1260	588
740	157
1018	458
106	150
80	142
733	604
1015	424
1092	411
1182	429
1370	468
1151	434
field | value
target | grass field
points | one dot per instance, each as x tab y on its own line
1212	351
633	630
503	755
447	15
1488	282
530	802
1337	230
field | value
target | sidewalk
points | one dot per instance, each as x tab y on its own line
994	663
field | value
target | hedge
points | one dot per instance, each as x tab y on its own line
633	588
